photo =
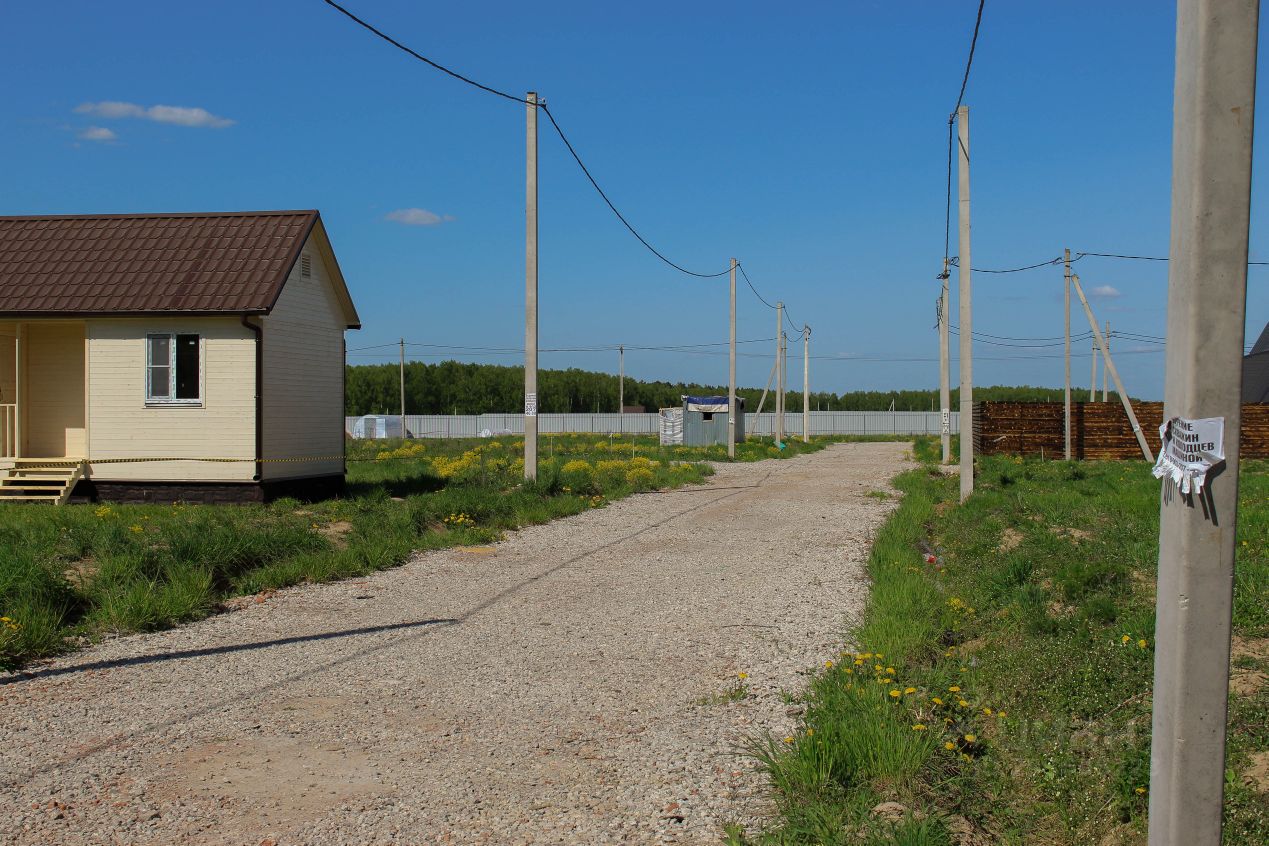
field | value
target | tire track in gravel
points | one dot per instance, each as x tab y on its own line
565	704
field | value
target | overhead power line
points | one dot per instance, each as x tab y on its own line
761	299
951	118
541	105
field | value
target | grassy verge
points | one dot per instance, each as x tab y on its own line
1001	687
71	575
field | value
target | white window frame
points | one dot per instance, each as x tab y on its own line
171	399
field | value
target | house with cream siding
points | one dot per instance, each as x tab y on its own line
166	357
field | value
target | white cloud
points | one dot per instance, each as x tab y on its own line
1105	292
178	115
417	217
98	133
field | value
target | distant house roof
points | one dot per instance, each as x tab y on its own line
223	263
1256	370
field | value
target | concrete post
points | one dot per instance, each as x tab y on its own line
1066	317
1105	382
531	289
945	381
403	387
1215	98
1092	385
731	369
806	384
966	309
779	398
621	388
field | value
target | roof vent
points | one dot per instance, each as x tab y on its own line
306	266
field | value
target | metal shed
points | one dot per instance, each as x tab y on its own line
705	420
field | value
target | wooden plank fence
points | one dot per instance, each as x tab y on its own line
1099	430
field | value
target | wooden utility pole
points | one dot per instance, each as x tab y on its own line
403	387
531	289
731	370
1066	317
1213	108
965	275
806	384
779	400
945	382
1105	383
1108	364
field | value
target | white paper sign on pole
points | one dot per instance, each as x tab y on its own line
947	421
531	405
1191	448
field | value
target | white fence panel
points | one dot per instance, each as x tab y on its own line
822	423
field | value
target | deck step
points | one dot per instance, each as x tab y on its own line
40	480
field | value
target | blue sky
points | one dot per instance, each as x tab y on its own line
809	142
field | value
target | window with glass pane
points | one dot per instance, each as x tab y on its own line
172	368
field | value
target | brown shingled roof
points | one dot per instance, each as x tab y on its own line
148	263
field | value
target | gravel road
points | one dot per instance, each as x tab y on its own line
564	686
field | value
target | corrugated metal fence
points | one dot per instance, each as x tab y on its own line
822	423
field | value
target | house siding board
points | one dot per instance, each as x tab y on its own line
53	402
303	374
122	426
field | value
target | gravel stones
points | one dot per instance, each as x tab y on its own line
575	683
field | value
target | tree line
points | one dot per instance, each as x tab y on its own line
453	387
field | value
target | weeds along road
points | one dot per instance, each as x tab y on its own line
576	683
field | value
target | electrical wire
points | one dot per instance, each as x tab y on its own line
955	262
761	299
620	216
1147	258
960	97
419	56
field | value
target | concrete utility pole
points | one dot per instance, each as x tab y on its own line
1109	365
1092	385
403	387
967	310
945	381
806	384
779	399
1214	103
531	289
621	387
784	378
1105	391
731	370
1066	316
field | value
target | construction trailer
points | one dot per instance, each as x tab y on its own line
702	421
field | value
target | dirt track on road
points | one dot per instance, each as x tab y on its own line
564	686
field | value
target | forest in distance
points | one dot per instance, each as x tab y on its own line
453	387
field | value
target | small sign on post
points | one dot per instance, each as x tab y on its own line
1191	448
530	405
947	422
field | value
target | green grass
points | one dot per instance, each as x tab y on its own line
1040	608
75	574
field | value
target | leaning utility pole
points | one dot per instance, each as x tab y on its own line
531	289
779	399
1105	385
945	353
1214	103
731	370
1108	365
806	384
967	314
403	387
1066	316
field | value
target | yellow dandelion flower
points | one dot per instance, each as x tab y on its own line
878	667
742	676
828	664
1125	638
919	727
909	690
849	671
937	701
949	745
890	670
964	669
970	738
1141	791
880	656
810	732
987	711
1000	714
859	662
896	693
955	689
962	703
788	740
1141	644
